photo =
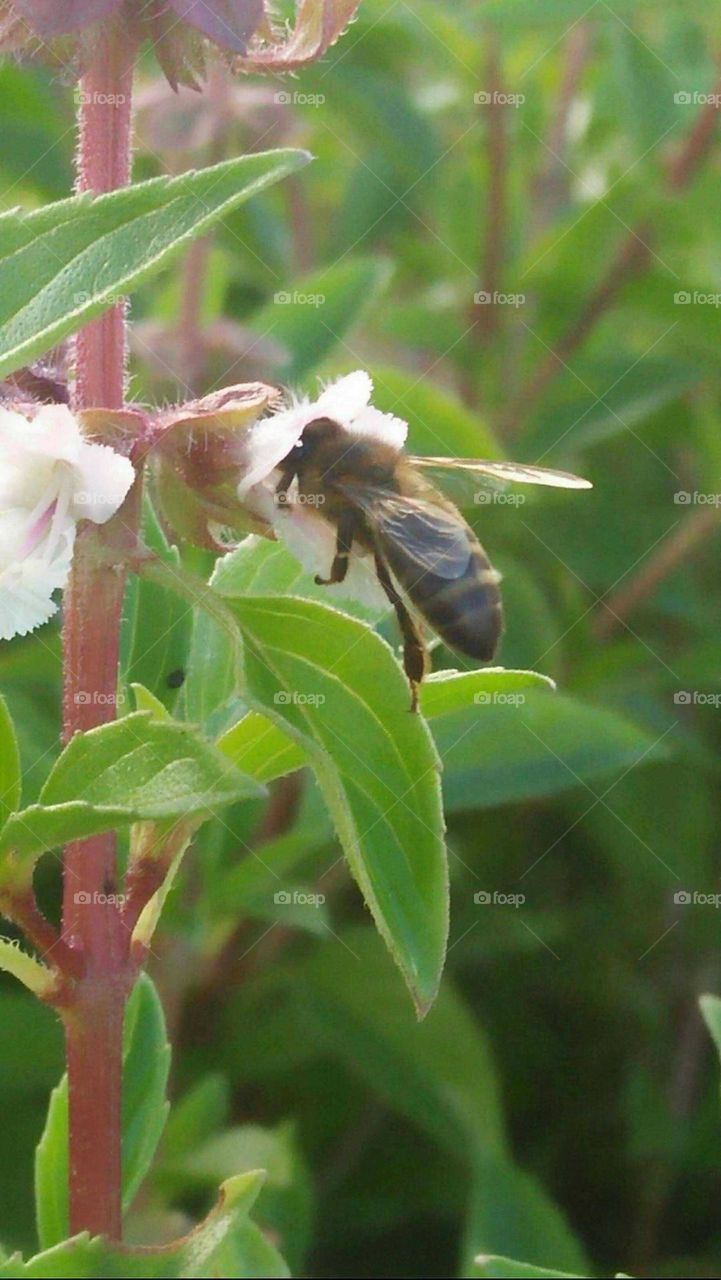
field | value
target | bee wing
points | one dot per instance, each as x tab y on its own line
505	471
435	541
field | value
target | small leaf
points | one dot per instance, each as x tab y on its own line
318	25
137	768
10	775
198	1254
261	749
146	1062
65	263
447	691
711	1010
30	972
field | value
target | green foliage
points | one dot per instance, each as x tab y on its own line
133	769
557	1109
65	263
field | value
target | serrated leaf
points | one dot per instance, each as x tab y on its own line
137	768
334	686
65	263
146	1062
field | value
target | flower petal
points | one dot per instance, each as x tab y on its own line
26	587
103	479
269	441
382	426
344	399
311	540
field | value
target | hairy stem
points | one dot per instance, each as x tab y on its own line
92	616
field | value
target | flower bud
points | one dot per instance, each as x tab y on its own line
196	464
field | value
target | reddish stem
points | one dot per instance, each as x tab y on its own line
92	616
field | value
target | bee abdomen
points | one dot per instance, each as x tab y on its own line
466	612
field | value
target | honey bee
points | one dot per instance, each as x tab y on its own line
424	552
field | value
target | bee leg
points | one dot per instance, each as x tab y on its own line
415	655
343	546
282	487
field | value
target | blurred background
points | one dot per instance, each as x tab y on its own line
512	222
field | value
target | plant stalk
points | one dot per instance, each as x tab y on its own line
92	616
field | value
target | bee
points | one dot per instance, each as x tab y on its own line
425	554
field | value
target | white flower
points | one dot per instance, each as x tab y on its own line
50	477
309	536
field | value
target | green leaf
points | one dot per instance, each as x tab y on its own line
334	686
10	774
65	263
511	1209
313	315
447	691
133	769
198	1254
494	1267
261	749
506	752
146	1062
